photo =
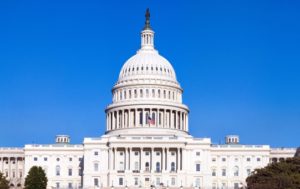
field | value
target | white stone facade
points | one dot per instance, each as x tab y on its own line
147	141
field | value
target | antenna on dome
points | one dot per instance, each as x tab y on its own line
147	22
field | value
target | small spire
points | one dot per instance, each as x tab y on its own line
147	22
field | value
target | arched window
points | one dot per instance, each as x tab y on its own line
157	167
236	171
153	93
173	167
57	170
165	94
125	96
135	93
147	118
141	93
158	93
147	93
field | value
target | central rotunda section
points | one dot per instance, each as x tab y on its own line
147	98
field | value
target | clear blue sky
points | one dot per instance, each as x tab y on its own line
238	62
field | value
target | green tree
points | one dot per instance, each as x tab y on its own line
3	182
281	175
36	178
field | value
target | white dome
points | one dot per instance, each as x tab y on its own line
147	64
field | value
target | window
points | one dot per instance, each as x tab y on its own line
136	153
35	159
173	181
197	182
70	172
147	153
153	118
236	171
96	153
214	186
214	159
172	153
70	186
121	166
157	181
96	167
224	159
224	186
96	182
157	167
121	153
173	167
248	159
57	170
45	159
236	185
136	181
198	167
121	182
21	174
248	172
153	93
157	153
258	159
70	159
213	172
197	153
136	165
147	166
223	172
57	159
57	185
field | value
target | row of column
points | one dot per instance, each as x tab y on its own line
11	169
166	162
130	118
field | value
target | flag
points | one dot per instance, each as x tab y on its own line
150	121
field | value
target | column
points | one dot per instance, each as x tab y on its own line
110	159
180	159
114	158
136	118
164	119
151	159
129	119
166	159
162	160
129	157
114	120
177	159
187	122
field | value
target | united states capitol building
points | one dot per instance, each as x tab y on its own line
147	141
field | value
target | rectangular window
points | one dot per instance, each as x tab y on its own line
214	186
57	185
70	159
258	159
157	181
121	181
213	173
223	172
96	153
136	181
173	181
198	167
70	172
35	159
96	166
248	172
70	185
249	159
96	182
236	185
45	159
197	153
